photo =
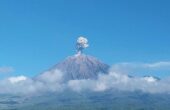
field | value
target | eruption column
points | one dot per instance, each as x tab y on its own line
82	43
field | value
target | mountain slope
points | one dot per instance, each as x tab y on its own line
81	67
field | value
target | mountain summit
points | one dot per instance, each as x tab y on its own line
80	66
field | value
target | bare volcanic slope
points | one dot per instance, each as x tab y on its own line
81	67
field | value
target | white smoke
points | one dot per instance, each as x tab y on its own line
82	43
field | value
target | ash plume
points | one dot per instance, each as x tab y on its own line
81	44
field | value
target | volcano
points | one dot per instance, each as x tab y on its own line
81	67
56	88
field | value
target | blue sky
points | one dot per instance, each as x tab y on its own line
36	34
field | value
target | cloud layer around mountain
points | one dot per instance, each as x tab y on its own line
114	80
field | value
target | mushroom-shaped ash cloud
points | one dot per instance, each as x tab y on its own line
82	43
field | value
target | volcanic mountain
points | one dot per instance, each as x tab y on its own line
80	66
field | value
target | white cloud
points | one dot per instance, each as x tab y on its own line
6	69
165	65
150	79
133	65
17	79
51	76
117	81
53	81
159	69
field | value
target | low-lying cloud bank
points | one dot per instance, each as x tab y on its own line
54	82
122	82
